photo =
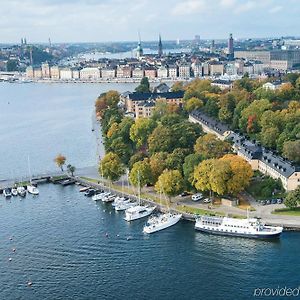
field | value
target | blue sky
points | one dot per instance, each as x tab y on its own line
119	20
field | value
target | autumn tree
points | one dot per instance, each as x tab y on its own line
141	174
193	104
138	156
190	162
60	160
209	146
158	164
177	86
111	167
161	140
170	183
291	150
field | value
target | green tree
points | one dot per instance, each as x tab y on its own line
209	146
177	86
292	198
161	140
170	183
60	160
71	169
140	131
190	162
141	174
175	159
144	86
12	65
269	137
122	149
211	108
202	174
111	167
138	156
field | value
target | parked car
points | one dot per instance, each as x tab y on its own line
197	197
268	201
207	200
184	194
263	202
274	201
279	201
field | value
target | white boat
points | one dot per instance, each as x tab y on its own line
108	198
7	193
119	200
21	191
138	212
161	222
98	197
14	191
32	189
84	189
125	205
250	227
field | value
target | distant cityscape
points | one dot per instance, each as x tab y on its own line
227	60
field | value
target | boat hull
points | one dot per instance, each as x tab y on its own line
151	228
130	217
243	235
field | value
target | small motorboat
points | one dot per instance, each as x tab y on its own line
90	193
84	189
21	191
7	193
14	191
32	189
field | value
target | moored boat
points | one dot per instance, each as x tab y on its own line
7	193
32	189
21	191
14	191
138	212
161	222
125	205
250	227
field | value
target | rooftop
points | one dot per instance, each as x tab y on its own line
136	96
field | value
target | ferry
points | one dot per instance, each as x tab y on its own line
250	227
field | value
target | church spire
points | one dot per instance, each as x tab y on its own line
160	48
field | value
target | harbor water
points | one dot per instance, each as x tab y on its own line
70	247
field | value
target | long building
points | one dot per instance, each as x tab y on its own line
258	157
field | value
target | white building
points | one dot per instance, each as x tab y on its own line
162	72
90	74
108	73
65	74
184	70
173	71
197	69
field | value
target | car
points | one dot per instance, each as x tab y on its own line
197	197
207	200
279	201
268	201
274	201
184	194
263	202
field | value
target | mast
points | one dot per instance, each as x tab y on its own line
139	188
29	169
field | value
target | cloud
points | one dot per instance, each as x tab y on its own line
227	3
275	9
189	7
245	7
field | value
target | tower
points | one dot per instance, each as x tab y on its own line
212	46
230	47
160	48
139	50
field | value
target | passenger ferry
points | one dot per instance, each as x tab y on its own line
250	227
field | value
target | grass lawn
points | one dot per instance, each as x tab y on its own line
287	211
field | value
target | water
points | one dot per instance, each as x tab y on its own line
60	235
43	120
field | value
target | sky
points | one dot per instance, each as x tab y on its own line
120	20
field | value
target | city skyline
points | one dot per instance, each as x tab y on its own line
119	20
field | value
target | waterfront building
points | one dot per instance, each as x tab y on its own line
162	72
65	74
54	71
29	72
90	74
124	72
108	72
37	73
258	157
151	72
46	70
184	70
138	73
76	74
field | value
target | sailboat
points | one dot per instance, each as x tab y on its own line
139	211
31	188
162	221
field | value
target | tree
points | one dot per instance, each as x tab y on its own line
158	164
177	86
175	159
140	131
193	103
170	183
161	140
60	160
141	174
71	169
12	65
209	146
292	199
144	86
122	149
211	107
241	173
202	174
111	167
269	137
190	162
138	156
291	150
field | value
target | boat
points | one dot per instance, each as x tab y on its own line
119	200
108	198
162	221
250	227
14	191
32	189
138	212
90	193
21	191
7	193
125	205
84	189
99	196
